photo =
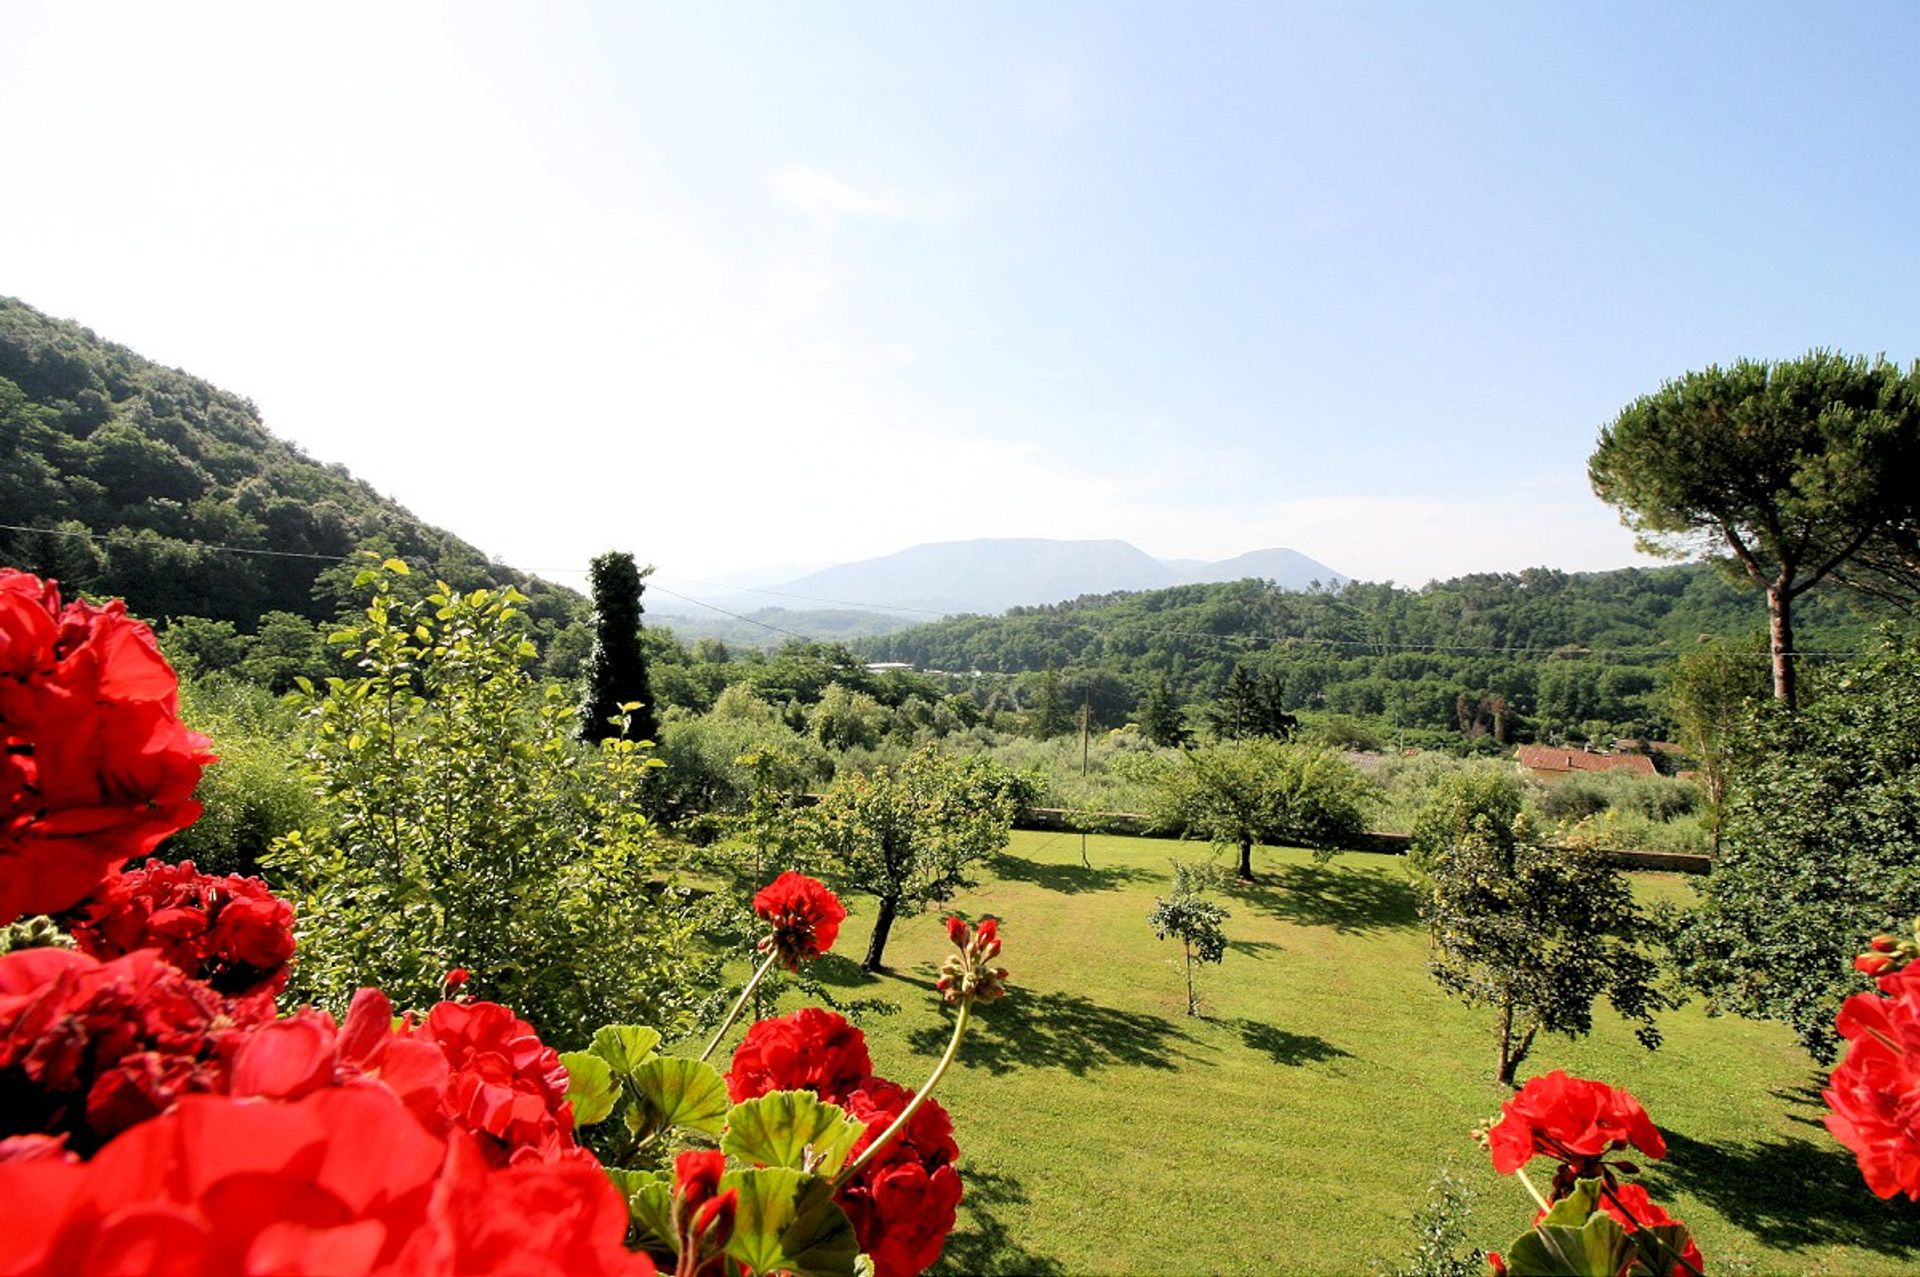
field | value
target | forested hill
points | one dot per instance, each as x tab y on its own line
1565	647
131	470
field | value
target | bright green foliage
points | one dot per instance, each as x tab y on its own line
1442	1242
255	794
1187	915
1822	850
789	1222
1050	715
1579	1239
1537	933
848	719
907	835
1265	791
1781	471
1711	693
795	1129
460	826
623	1075
618	698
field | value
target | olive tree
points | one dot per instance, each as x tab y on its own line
907	835
1537	933
1782	471
1264	791
1187	915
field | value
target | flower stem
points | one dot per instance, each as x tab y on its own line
739	1002
913	1106
1532	1192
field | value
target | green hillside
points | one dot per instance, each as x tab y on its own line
129	472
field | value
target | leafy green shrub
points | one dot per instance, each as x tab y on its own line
1822	846
459	825
255	794
1261	790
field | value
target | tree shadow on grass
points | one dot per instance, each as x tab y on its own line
1290	1049
1059	1031
1255	948
1790	1193
980	1243
840	972
1069	880
1348	900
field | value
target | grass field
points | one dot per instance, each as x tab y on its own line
1294	1126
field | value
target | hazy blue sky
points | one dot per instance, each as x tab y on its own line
730	285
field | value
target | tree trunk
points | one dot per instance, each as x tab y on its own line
881	926
1780	613
1188	945
1246	859
1512	1053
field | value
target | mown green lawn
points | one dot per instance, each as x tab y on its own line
1294	1126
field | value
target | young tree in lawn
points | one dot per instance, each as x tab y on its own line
1782	471
1265	791
907	835
1193	919
1161	717
617	666
1537	933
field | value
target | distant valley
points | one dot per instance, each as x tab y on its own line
984	576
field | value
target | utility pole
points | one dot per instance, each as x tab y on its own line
1086	742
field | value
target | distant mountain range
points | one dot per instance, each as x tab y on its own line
988	575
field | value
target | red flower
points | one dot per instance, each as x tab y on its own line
1875	1091
471	1066
457	977
95	765
970	973
903	1203
342	1182
805	917
230	931
88	1048
810	1050
703	1216
1574	1120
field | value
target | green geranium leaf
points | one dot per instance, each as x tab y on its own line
1598	1248
631	1182
1660	1245
1574	1209
778	1128
652	1209
789	1222
687	1093
625	1046
590	1087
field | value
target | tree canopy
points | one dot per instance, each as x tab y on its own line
1783	470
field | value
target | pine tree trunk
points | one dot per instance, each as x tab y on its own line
1780	613
882	924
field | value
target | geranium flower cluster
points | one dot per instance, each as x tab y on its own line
1875	1090
96	767
1581	1125
805	917
904	1202
229	931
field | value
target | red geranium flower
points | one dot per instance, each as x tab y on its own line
471	1066
342	1182
89	1048
810	1050
903	1203
1875	1091
805	916
95	764
1576	1121
230	931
